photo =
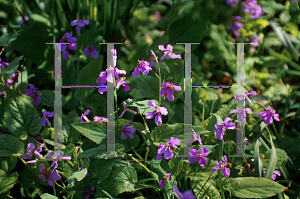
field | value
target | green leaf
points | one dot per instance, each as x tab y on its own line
20	116
142	105
22	83
209	190
10	146
47	97
101	150
95	130
88	76
191	28
103	167
291	146
250	187
143	87
271	6
7	164
31	41
79	175
121	179
163	132
8	182
48	196
284	39
11	68
272	163
27	179
281	157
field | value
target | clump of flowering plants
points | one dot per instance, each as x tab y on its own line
125	129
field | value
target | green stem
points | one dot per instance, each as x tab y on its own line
141	164
136	153
40	189
159	96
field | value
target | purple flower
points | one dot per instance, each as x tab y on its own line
80	24
68	37
3	64
72	46
236	26
91	49
31	150
196	137
143	67
168	51
103	119
114	54
102	89
156	17
125	109
166	149
241	114
127	131
251	6
83	116
153	55
2	92
1	133
158	111
33	91
220	128
246	142
122	82
112	72
221	165
57	158
244	96
45	119
13	78
92	191
162	183
276	172
168	88
198	156
267	116
21	21
186	195
53	175
231	2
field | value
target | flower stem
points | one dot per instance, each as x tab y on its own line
159	97
40	189
140	164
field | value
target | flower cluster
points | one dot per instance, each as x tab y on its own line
251	6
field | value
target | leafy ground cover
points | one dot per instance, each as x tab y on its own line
148	74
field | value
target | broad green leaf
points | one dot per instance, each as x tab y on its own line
10	146
281	157
95	130
7	164
271	6
20	116
79	175
47	97
121	179
11	68
250	187
31	41
97	151
8	182
141	105
48	196
103	167
209	190
73	134
143	87
192	27
27	179
163	132
88	76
